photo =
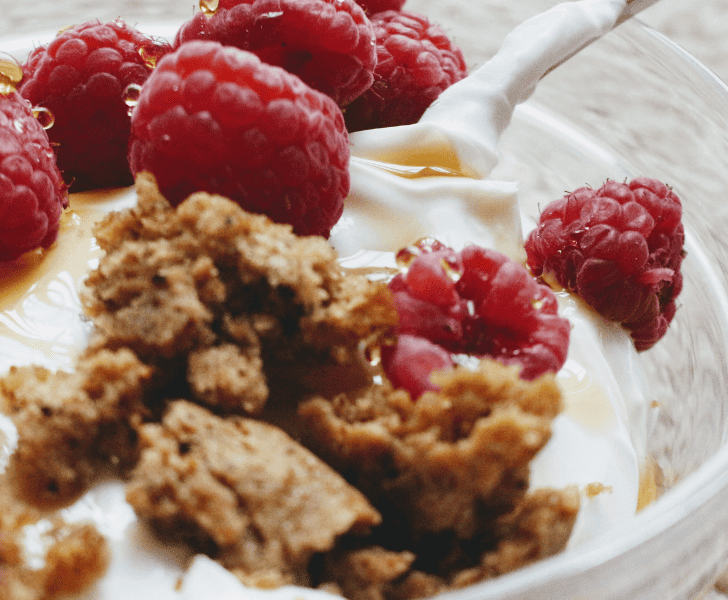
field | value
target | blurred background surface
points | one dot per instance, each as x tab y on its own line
700	26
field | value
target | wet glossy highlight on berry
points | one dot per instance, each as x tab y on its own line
151	52
43	116
131	96
405	256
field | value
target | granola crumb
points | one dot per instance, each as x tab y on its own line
72	426
242	487
592	490
450	474
77	554
76	560
453	460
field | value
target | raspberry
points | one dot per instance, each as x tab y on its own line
410	362
416	62
620	248
32	192
476	302
327	43
372	7
216	119
81	77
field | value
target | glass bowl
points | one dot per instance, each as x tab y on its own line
634	103
631	104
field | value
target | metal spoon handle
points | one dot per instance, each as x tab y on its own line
634	7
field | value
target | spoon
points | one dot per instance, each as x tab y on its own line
454	147
459	132
633	8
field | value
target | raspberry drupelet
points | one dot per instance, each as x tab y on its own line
475	302
620	248
32	192
216	119
416	62
81	77
329	44
372	7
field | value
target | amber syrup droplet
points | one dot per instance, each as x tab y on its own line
373	354
43	116
406	255
131	96
424	245
209	7
453	273
429	244
151	52
11	73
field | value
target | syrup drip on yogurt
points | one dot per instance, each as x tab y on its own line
41	318
409	172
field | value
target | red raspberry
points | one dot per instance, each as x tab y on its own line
372	7
81	77
620	248
416	62
476	302
214	118
327	43
32	192
409	363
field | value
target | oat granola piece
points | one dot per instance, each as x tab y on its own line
176	283
449	473
16	581
76	556
368	573
72	425
451	461
228	375
539	527
244	492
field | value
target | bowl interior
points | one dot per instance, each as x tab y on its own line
635	104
